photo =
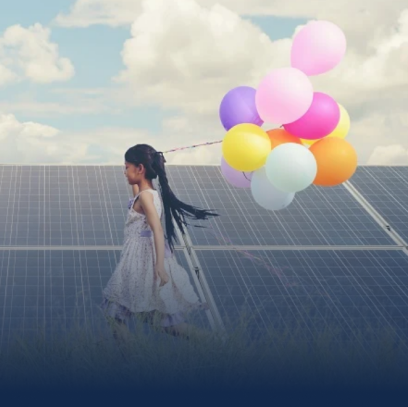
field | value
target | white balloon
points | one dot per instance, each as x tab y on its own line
266	195
291	167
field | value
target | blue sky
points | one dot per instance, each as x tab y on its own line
95	54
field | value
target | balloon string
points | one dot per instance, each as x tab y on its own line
197	145
193	146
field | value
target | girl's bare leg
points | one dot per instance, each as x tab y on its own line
183	329
186	331
120	330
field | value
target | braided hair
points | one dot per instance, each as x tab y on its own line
153	162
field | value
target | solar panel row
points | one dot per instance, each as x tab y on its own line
88	208
56	206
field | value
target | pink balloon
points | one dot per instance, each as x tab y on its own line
236	178
318	48
284	96
319	121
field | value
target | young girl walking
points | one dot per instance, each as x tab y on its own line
148	281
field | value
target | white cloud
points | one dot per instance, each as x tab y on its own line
69	102
107	12
36	143
181	132
7	76
22	142
364	20
12	129
182	55
394	154
29	53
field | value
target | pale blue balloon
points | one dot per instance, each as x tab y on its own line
291	167
266	195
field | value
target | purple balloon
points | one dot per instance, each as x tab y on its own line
236	178
238	106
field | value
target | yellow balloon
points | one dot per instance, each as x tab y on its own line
340	131
246	147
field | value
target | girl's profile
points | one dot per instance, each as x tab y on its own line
147	280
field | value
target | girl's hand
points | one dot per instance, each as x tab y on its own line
162	274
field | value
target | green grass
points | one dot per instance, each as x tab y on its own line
295	354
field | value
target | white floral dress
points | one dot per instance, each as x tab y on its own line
134	287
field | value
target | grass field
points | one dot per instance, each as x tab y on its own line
297	354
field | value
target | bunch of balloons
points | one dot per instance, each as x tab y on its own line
310	147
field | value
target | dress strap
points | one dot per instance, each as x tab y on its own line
137	196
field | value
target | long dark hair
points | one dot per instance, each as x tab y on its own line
153	162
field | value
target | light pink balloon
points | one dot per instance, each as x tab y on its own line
318	48
284	95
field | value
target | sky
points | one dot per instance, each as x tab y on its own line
83	80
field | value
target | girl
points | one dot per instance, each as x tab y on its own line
148	281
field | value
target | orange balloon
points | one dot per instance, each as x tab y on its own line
281	136
336	161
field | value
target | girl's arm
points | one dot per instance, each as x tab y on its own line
152	218
135	189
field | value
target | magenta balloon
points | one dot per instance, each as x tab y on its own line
236	178
319	121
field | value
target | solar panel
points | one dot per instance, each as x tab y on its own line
55	205
386	189
56	286
315	287
401	171
317	216
87	206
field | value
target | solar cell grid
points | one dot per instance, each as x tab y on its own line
53	286
386	189
63	206
350	288
318	216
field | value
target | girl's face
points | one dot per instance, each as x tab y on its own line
133	173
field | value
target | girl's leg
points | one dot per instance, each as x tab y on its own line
120	330
182	329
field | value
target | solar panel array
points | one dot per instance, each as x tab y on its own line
325	258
